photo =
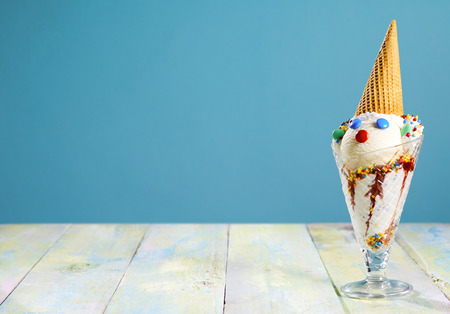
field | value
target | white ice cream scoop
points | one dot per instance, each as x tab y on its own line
369	132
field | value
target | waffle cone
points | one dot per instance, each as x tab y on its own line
383	92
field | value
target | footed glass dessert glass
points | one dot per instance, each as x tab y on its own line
375	189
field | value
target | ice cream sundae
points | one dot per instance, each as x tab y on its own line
376	152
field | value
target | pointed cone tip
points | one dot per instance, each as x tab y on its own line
392	28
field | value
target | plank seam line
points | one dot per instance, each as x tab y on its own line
226	269
37	262
128	266
336	290
418	260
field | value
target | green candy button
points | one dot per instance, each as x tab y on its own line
338	133
406	129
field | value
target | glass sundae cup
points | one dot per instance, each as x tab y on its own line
375	194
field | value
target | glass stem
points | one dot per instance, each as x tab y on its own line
375	264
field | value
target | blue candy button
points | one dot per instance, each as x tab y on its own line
382	123
355	124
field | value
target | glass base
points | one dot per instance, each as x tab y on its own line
385	288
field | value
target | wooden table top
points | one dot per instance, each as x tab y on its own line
211	268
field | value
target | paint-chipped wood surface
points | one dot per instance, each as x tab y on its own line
276	269
177	269
340	253
429	246
21	247
296	268
79	273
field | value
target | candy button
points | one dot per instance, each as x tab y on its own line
362	136
382	123
338	133
406	129
355	124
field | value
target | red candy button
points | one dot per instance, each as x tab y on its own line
362	136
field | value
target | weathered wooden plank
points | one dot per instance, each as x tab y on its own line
80	272
276	269
429	246
21	247
340	253
177	269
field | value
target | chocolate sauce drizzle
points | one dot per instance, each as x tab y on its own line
407	168
351	190
375	190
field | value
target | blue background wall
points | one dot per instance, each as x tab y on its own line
204	111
